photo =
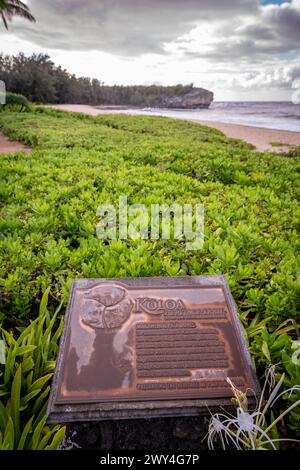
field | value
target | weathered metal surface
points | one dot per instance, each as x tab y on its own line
148	347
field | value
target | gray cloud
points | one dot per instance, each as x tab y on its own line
284	19
281	77
262	32
124	27
274	30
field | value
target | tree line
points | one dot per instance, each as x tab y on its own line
41	81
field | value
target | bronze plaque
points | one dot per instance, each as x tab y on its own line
135	347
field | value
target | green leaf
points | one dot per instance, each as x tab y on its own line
2	352
40	400
27	364
9	435
15	400
37	434
28	332
29	379
28	397
27	429
265	335
265	350
8	366
24	350
44	301
44	441
39	383
3	417
41	415
56	336
57	439
50	366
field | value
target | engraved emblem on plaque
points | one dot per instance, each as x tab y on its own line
106	307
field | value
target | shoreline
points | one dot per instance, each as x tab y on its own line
260	137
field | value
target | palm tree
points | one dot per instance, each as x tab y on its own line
10	8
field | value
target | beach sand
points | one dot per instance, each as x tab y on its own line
11	146
260	137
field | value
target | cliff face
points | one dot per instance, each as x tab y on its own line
197	98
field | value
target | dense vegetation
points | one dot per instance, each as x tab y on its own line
16	102
48	208
27	363
41	81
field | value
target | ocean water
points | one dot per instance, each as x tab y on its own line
272	115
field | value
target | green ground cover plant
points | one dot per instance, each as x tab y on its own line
49	199
279	144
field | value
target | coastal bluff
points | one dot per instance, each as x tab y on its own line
196	98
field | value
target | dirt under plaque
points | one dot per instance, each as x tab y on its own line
149	347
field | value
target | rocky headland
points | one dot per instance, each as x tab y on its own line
194	99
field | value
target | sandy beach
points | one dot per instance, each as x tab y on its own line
260	137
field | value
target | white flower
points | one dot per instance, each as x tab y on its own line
249	430
217	428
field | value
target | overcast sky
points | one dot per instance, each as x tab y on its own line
240	49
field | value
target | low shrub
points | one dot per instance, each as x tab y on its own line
15	102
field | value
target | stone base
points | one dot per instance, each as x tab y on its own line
184	433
